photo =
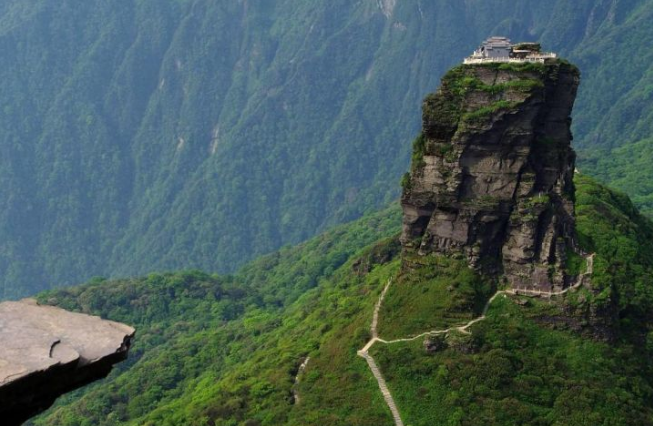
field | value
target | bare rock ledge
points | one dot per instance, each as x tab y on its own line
47	351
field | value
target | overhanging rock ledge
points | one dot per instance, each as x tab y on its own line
46	351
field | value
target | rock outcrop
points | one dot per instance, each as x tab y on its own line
492	172
46	352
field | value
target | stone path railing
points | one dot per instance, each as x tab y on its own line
539	58
376	371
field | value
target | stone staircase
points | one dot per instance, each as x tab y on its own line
384	388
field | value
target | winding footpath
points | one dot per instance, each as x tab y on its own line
376	371
383	386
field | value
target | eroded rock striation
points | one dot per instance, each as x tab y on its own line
47	351
492	172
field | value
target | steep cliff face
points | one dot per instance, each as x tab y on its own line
492	172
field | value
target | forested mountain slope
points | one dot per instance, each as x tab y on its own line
146	135
227	350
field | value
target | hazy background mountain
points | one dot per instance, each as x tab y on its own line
143	135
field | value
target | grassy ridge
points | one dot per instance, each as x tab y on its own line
516	370
438	293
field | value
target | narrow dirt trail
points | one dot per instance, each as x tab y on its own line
376	371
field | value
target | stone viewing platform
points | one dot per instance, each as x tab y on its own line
47	351
501	49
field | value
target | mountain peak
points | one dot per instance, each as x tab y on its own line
492	172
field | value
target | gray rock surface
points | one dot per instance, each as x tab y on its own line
47	351
492	172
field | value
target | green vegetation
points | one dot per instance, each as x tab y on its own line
535	201
519	67
514	370
471	83
531	208
226	349
609	225
523	85
133	146
575	263
447	107
482	113
419	148
406	182
443	110
446	151
627	168
436	293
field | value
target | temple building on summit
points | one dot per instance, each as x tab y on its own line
501	49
